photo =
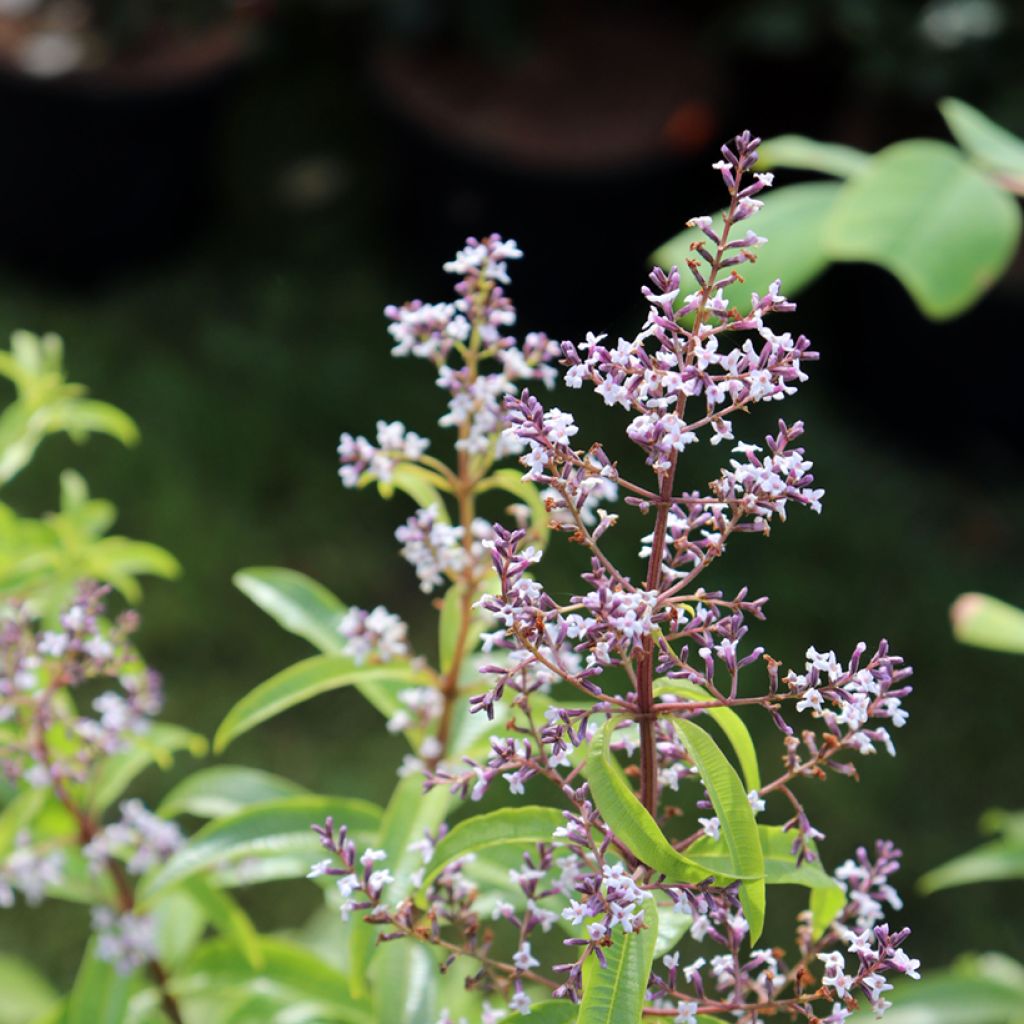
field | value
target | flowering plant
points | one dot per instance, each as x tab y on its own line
635	881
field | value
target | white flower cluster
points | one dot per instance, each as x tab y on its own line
395	444
377	634
141	839
128	940
29	871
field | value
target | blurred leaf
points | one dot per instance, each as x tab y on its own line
976	990
984	621
27	995
793	224
225	789
229	919
99	994
288	970
303	681
615	994
673	924
405	978
180	923
996	861
421	484
930	218
263	830
729	799
19	813
989	144
157	745
296	603
800	153
727	720
518	826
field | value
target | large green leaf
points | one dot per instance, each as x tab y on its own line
225	789
997	861
945	230
272	829
509	826
27	995
295	602
303	681
984	621
792	222
729	799
615	994
229	919
800	153
99	994
989	144
727	720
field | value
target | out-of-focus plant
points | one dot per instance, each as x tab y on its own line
943	220
587	910
985	988
44	559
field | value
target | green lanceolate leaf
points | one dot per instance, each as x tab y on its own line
510	826
627	817
938	224
27	994
296	603
795	251
990	145
156	746
100	994
423	485
984	621
225	789
998	861
727	720
303	681
288	969
405	984
615	994
803	154
229	919
739	829
278	828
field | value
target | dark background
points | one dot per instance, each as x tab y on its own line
217	248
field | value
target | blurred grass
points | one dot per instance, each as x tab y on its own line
244	358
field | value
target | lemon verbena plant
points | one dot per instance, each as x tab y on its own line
628	875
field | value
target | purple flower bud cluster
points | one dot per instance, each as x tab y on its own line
438	551
395	444
40	668
30	871
125	939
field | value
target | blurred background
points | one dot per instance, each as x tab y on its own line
212	203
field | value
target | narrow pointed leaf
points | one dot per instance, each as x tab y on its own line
997	861
615	994
729	799
99	994
304	681
405	978
296	602
728	721
988	143
984	621
272	829
225	789
510	826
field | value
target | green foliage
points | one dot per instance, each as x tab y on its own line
942	220
983	621
998	860
615	994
